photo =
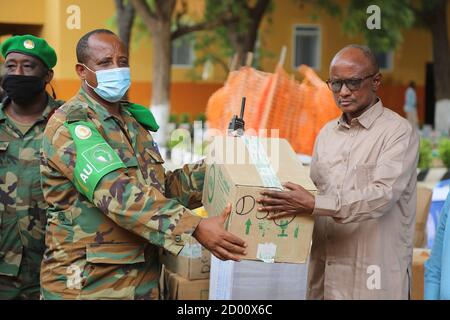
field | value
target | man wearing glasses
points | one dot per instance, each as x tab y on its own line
364	167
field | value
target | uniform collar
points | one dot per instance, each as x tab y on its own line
52	104
98	108
366	119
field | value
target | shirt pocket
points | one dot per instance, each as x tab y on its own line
11	246
111	270
10	241
32	226
8	180
364	175
320	175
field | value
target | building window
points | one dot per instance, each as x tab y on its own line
182	52
307	46
385	60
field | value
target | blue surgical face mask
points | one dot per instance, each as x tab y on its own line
112	84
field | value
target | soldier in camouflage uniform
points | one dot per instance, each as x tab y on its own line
23	117
112	206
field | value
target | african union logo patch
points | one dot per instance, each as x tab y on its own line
83	132
28	44
102	155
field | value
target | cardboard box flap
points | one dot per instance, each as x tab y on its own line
239	163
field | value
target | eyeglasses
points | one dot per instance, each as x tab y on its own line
351	84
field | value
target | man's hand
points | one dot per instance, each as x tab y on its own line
294	200
211	234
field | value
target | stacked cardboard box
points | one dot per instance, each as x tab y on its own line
423	207
179	288
193	262
418	272
186	276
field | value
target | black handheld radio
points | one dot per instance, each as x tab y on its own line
237	124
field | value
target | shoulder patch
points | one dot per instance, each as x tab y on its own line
95	157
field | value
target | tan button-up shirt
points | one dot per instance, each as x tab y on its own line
365	209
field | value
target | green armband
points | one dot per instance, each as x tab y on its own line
95	157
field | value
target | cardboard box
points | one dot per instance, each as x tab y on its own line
193	262
256	280
418	272
238	169
424	195
179	288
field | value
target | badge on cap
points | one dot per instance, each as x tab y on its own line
28	44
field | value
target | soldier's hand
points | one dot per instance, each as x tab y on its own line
211	234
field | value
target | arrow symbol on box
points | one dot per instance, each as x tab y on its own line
248	223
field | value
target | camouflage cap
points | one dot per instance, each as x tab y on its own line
30	45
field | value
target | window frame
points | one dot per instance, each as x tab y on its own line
390	61
318	27
192	51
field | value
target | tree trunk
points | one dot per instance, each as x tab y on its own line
244	42
441	51
162	56
162	53
125	19
256	16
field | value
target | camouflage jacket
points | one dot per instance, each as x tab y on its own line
108	248
22	205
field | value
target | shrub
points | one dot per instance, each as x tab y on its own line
444	151
184	118
425	154
173	118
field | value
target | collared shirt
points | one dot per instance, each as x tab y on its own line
22	205
365	209
108	248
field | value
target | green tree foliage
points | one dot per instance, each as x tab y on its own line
237	36
395	16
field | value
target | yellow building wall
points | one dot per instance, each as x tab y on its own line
187	96
22	11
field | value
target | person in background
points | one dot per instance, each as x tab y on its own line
24	114
437	267
410	106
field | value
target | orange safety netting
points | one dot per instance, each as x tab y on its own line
275	101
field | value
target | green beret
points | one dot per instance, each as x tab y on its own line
32	46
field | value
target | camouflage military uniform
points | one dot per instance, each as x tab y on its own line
22	207
108	248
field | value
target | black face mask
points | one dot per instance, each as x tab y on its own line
23	89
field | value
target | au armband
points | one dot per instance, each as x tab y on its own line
95	157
